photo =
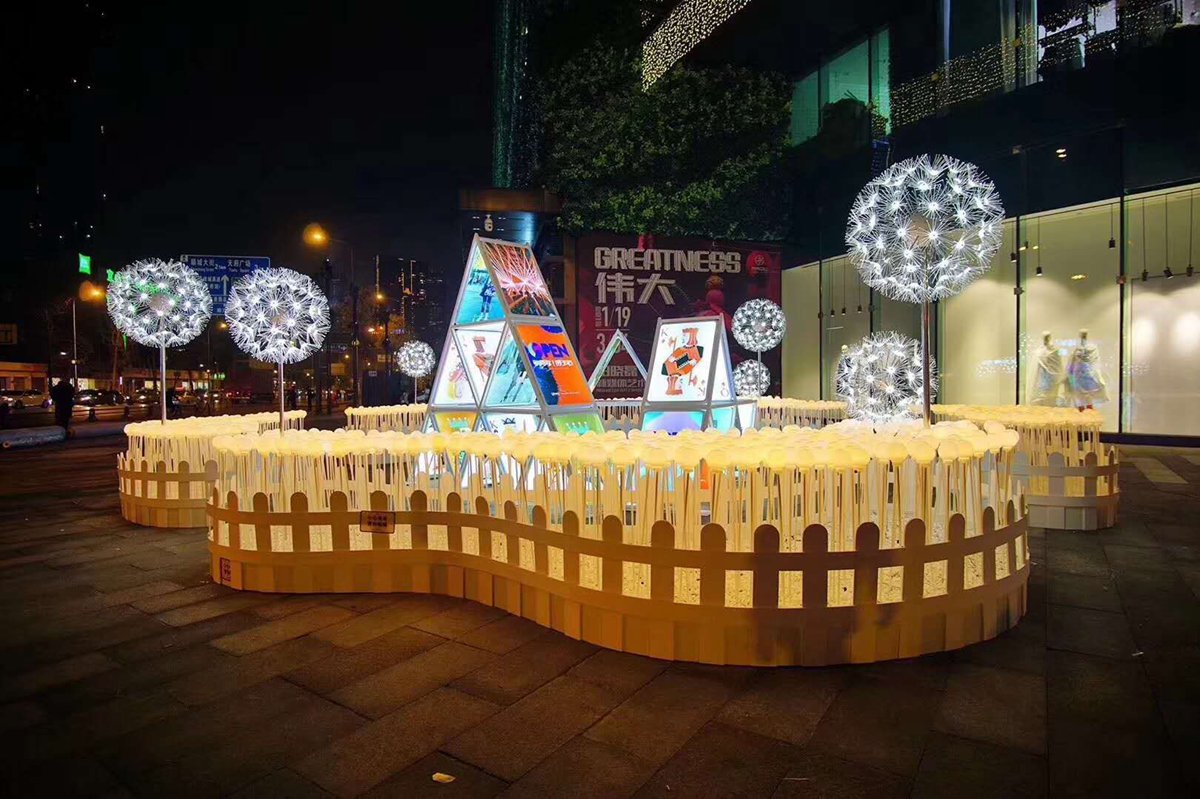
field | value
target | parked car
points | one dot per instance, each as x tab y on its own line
24	398
95	397
144	396
186	397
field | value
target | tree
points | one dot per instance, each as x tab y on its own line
699	153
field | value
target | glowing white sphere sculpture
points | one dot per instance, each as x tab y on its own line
759	325
277	315
925	228
415	358
751	379
881	379
159	303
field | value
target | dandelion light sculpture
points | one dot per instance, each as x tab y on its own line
751	379
159	304
415	359
279	316
922	230
883	378
759	325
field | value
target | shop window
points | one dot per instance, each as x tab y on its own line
853	88
802	354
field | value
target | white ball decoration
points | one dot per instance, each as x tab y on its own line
159	303
759	325
881	380
415	358
277	315
925	228
751	379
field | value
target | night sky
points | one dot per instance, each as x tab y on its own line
228	127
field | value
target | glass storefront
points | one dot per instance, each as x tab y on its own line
858	76
1118	271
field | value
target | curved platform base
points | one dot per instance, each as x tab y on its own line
158	498
1081	497
535	572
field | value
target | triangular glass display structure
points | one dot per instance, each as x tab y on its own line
689	385
507	359
616	345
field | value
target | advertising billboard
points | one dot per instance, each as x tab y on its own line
554	366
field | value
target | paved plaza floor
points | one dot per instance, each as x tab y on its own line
127	672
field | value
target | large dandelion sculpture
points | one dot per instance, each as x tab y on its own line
159	304
923	230
751	379
759	325
883	378
278	316
415	359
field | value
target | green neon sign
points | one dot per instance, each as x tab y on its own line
85	264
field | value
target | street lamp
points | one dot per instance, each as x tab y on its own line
87	292
318	237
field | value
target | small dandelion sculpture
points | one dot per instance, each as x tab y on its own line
159	304
751	379
415	359
759	325
881	379
279	316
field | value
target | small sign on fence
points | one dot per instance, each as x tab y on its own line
382	522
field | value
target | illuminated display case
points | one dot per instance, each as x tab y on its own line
507	363
689	385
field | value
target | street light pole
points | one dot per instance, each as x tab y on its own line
74	345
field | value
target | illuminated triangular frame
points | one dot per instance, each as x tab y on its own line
615	344
508	325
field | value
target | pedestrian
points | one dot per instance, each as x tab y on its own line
172	402
63	395
308	396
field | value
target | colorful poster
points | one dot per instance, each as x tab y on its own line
455	421
511	422
628	283
480	348
521	283
479	303
555	369
578	423
673	421
453	387
510	386
682	361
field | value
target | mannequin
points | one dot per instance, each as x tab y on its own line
1085	380
841	372
1048	377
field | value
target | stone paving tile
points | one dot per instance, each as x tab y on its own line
655	721
72	776
1021	649
514	740
620	672
460	619
344	668
19	715
503	635
999	706
200	611
76	668
381	693
416	781
1080	591
526	668
816	775
584	768
1100	690
1090	760
175	638
723	761
1090	632
205	686
288	605
1088	561
281	784
87	728
372	753
881	724
785	703
270	633
177	599
404	611
955	767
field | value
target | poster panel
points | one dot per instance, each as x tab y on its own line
521	284
578	423
555	369
673	421
479	348
511	422
682	361
627	283
479	302
510	386
455	421
453	387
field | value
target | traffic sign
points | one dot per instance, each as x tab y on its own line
221	271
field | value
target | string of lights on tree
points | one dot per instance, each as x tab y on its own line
688	24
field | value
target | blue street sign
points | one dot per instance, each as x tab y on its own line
221	271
